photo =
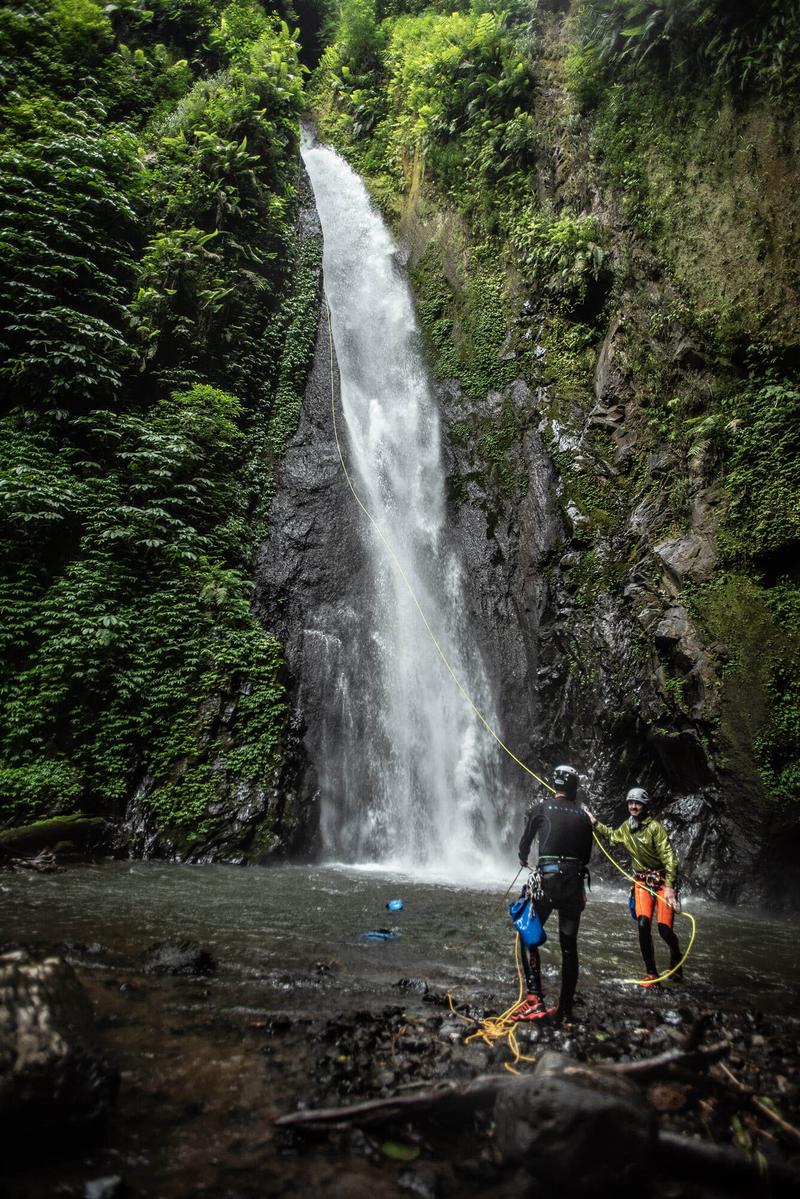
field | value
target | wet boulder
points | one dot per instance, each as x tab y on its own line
54	1079
178	957
567	1121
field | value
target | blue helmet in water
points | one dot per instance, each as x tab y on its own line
565	778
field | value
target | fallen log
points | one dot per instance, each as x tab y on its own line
480	1092
645	1067
726	1168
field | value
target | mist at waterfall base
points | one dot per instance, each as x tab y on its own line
409	779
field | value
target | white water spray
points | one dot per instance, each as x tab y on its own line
412	782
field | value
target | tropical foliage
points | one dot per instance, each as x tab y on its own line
148	174
741	42
478	120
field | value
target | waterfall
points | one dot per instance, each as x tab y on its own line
410	779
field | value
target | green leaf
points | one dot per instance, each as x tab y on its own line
399	1152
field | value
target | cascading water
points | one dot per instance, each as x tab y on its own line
409	779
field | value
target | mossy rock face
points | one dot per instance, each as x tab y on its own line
76	832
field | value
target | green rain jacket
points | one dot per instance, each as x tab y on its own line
649	846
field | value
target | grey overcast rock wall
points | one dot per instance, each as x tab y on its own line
587	680
311	584
582	674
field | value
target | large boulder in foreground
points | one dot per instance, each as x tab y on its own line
567	1122
54	1080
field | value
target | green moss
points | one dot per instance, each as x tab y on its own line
713	188
273	429
756	632
72	828
464	323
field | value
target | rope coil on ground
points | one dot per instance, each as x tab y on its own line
503	1027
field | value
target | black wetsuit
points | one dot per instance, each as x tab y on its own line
565	844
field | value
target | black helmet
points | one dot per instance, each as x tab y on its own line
565	779
638	795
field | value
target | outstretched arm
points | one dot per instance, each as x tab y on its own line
604	830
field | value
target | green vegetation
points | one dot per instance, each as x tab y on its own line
148	171
741	43
756	632
630	165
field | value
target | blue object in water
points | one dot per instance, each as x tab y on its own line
632	904
395	905
379	934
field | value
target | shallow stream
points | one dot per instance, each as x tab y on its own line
207	1063
262	924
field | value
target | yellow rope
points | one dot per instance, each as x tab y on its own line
503	1027
390	550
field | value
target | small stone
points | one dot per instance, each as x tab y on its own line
104	1188
668	1097
179	958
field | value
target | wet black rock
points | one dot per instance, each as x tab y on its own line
417	985
567	1121
178	957
54	1080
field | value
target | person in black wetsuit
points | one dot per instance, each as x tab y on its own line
565	844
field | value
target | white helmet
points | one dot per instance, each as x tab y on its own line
638	795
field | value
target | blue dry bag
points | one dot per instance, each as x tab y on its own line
526	921
395	905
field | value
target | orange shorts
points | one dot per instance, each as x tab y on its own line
646	904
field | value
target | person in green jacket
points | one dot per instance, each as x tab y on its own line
655	868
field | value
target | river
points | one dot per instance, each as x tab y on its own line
261	924
303	1009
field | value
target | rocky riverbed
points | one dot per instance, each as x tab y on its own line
212	1040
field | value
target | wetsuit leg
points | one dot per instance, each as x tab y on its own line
569	916
672	941
531	962
568	938
646	945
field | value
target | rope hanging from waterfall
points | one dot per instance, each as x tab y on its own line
407	581
490	730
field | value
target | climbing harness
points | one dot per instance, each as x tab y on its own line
477	711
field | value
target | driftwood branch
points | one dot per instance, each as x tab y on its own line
672	1057
727	1169
480	1092
759	1105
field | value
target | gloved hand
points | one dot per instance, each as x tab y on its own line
523	861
